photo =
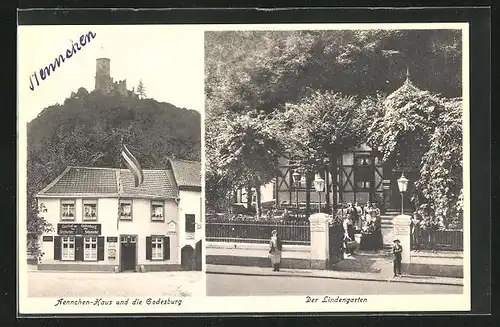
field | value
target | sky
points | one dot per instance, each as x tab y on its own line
168	58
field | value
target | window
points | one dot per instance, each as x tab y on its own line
364	173
90	248
156	248
89	210
190	226
126	209
68	248
67	209
157	213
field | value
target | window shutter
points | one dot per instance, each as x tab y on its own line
79	248
100	248
57	247
148	248
166	248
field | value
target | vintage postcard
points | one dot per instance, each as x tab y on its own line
337	167
110	131
285	168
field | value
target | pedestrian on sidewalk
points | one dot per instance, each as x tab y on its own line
397	250
349	240
415	233
275	247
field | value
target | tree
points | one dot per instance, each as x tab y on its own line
402	133
322	126
141	90
441	181
246	150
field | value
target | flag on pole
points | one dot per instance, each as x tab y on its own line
133	165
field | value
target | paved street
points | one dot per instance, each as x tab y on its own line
242	285
75	284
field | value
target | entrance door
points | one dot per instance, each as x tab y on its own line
187	258
128	252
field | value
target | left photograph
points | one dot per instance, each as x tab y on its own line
109	155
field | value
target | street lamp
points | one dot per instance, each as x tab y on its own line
319	184
296	181
403	185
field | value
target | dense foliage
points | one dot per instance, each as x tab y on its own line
322	92
87	129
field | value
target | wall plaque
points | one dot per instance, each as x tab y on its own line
317	227
401	229
79	229
47	238
111	239
172	227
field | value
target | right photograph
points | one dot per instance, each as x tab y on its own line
334	162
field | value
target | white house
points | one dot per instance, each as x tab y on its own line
103	222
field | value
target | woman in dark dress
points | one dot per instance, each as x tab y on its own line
275	247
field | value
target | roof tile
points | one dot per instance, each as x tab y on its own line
187	173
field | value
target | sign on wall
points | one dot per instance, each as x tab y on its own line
112	239
172	227
79	229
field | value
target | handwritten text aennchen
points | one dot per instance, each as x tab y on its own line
45	71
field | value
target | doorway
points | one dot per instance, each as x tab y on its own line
187	258
128	252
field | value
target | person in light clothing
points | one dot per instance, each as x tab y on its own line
275	247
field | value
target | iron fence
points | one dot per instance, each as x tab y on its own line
447	239
291	232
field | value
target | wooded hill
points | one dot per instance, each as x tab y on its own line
87	128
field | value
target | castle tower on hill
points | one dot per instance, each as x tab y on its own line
103	80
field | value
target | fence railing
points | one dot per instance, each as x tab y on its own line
297	233
452	240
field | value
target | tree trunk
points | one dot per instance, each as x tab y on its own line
335	188
249	196
327	188
308	194
258	205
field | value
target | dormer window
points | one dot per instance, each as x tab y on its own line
125	209
89	210
68	210
157	211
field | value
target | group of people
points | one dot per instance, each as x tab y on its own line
361	219
358	218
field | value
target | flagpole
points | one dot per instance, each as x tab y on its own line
119	182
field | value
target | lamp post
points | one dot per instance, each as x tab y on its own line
402	185
296	181
319	184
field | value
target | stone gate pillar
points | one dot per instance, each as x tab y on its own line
401	231
319	240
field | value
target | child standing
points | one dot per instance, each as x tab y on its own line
397	250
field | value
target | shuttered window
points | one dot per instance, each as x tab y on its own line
90	248
157	247
68	248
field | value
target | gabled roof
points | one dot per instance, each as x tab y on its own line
110	182
187	173
156	184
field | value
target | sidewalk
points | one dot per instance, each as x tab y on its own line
344	275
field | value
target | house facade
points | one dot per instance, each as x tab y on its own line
102	222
